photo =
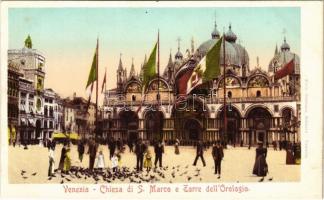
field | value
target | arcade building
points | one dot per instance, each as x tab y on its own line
258	107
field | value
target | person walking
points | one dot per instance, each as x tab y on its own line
139	151
51	162
130	145
112	147
81	150
158	150
176	147
200	153
92	153
260	166
63	154
274	143
218	155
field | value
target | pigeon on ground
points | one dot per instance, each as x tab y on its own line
34	174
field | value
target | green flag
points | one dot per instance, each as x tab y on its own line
149	68
207	69
93	71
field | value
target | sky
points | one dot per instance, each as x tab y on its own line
67	36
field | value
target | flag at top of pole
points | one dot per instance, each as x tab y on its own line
93	70
150	68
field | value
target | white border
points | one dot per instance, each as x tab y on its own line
312	104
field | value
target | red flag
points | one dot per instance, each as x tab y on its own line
285	70
182	82
103	83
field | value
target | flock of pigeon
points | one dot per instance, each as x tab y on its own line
124	174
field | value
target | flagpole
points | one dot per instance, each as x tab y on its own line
224	106
158	67
97	67
158	97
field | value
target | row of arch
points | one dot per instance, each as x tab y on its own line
256	80
191	125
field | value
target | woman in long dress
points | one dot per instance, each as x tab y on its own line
62	158
67	161
290	158
260	166
176	147
148	161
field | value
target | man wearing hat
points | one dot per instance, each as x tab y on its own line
218	155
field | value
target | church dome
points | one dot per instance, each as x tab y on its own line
283	57
230	36
234	53
215	34
285	46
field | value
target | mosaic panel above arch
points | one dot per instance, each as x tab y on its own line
133	87
258	81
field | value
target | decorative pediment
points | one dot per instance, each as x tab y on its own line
258	81
133	87
230	81
155	84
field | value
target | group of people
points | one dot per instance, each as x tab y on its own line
144	156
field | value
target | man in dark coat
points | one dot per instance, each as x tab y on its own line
260	166
81	150
218	155
158	150
140	149
112	147
92	153
200	153
130	145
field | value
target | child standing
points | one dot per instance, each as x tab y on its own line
114	162
100	161
148	161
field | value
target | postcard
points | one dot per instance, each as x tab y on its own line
161	100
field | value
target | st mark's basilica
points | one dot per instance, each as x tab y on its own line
258	107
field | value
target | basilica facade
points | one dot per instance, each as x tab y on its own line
258	107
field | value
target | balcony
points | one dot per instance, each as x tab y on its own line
209	101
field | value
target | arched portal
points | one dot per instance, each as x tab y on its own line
190	118
129	125
193	129
259	122
154	125
233	121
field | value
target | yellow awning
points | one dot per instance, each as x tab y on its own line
73	136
